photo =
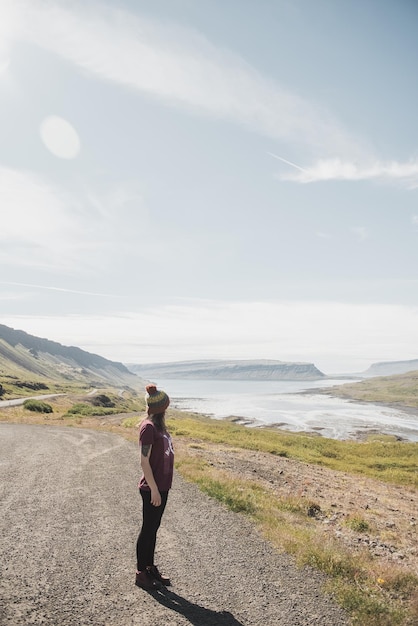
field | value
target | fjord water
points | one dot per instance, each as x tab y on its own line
281	403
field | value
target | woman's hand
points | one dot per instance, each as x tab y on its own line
155	497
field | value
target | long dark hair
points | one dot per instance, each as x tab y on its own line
158	419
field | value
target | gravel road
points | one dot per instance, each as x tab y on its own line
69	522
17	401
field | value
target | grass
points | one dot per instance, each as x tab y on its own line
12	389
401	389
390	461
84	409
358	524
38	406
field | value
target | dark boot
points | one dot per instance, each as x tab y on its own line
146	581
152	570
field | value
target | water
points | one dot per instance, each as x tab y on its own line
280	403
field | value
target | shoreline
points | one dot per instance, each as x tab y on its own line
359	435
329	391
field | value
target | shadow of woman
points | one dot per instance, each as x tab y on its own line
196	614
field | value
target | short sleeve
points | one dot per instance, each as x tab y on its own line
147	434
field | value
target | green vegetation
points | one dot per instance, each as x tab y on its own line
33	386
401	389
84	409
357	523
15	387
37	406
131	422
105	404
35	359
390	461
102	400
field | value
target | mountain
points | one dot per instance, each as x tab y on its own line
389	368
229	370
26	356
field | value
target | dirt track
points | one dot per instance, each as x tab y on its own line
70	517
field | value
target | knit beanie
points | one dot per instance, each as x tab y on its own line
157	401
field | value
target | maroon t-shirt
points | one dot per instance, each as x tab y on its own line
161	458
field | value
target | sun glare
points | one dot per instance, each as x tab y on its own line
59	137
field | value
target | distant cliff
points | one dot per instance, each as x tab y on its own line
24	355
229	370
389	368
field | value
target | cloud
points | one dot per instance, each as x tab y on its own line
335	336
301	169
4	63
47	227
6	296
360	233
61	289
36	219
9	21
336	169
182	68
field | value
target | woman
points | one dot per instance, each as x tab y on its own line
157	458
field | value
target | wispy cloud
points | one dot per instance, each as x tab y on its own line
48	227
9	24
360	233
323	235
336	169
275	156
61	289
37	219
182	68
10	296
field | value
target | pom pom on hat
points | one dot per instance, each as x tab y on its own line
157	400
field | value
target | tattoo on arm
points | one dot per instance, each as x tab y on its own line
145	449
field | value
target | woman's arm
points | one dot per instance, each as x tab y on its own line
149	476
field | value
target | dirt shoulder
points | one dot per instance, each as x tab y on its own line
389	510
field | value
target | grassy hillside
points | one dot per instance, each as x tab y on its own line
27	361
399	389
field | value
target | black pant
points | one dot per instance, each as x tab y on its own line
151	520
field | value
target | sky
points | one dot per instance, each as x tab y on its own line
198	179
